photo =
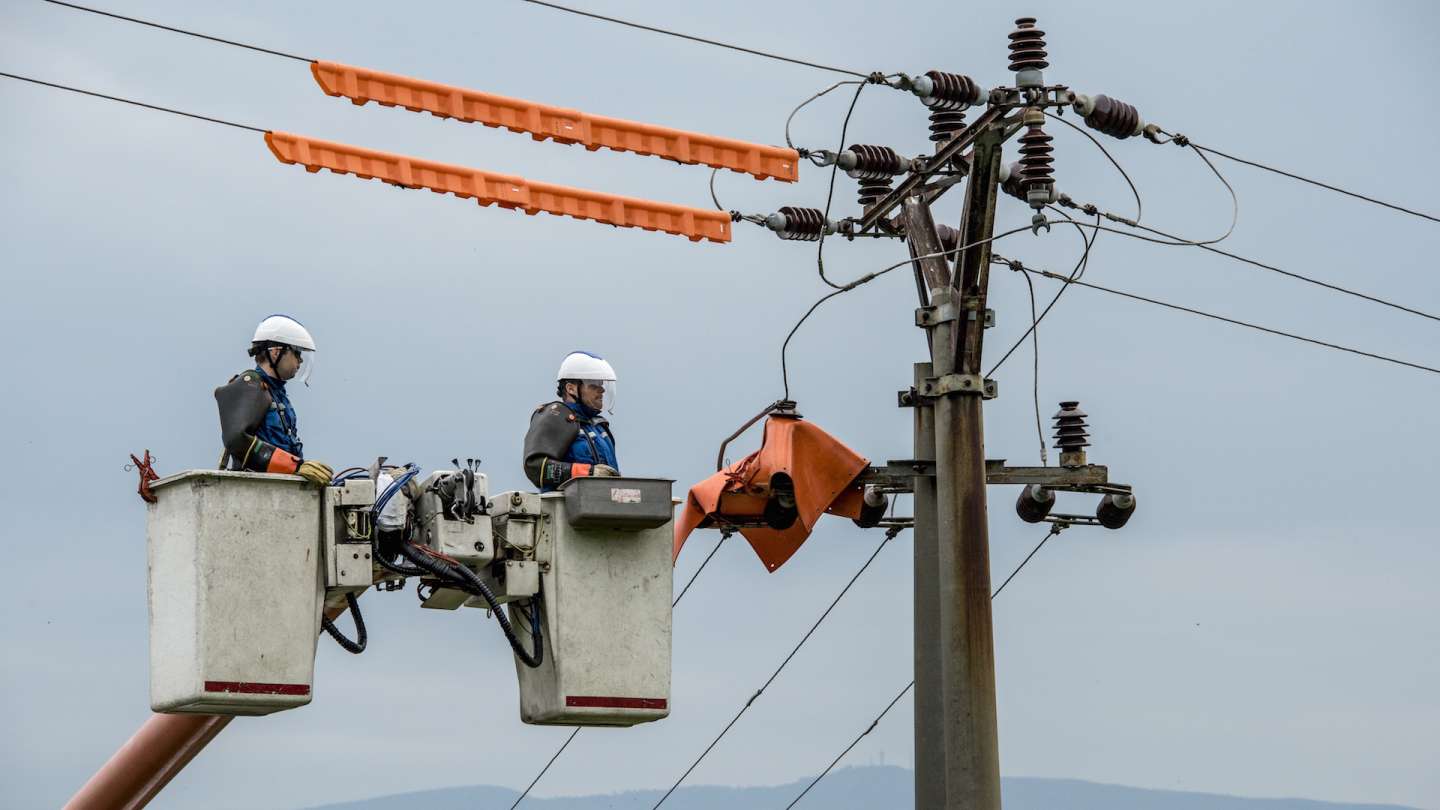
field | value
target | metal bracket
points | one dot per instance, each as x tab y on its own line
949	384
898	475
936	315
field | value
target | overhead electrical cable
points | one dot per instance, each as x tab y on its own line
1054	530
1182	140
1139	207
1019	266
724	535
693	38
830	194
889	535
1091	209
1079	270
135	103
173	29
866	279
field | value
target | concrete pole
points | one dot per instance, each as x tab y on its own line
965	640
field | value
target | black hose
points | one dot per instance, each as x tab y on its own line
382	557
537	641
463	578
358	645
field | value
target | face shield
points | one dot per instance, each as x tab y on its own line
306	371
598	395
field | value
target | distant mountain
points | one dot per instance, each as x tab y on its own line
863	788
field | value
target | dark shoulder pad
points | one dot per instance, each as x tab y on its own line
242	402
552	429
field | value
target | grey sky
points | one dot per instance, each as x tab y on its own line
1264	626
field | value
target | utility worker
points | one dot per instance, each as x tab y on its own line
257	421
569	438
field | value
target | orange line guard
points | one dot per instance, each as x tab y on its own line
504	190
543	122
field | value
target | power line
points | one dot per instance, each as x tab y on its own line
1139	206
724	535
694	38
135	103
1079	270
866	279
1181	140
172	29
1016	265
1054	530
889	535
1091	209
830	194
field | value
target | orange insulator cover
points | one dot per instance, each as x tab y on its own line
824	472
545	122
504	190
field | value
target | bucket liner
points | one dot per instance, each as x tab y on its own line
774	496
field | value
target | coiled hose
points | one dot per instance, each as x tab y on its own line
470	582
358	645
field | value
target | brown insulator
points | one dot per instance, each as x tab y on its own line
1114	118
949	237
1036	173
1011	182
872	190
1034	503
1027	46
875	161
875	166
945	123
1071	437
1115	510
950	95
801	224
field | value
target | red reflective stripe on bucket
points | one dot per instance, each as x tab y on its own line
592	702
246	688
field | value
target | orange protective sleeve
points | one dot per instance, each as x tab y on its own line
504	190
559	124
282	462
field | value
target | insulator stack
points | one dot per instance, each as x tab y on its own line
1027	53
1115	510
948	96
1010	181
1037	177
1110	116
1071	436
1034	503
874	167
949	237
799	224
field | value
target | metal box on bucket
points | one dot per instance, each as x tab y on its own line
606	594
235	592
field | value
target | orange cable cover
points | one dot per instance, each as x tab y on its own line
544	121
505	190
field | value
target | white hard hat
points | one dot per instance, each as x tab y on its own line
284	329
590	368
585	366
287	331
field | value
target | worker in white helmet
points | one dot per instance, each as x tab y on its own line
257	422
570	438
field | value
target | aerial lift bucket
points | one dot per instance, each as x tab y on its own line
606	607
236	590
774	496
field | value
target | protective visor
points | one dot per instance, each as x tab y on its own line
607	400
306	372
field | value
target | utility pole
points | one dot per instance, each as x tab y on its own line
953	623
